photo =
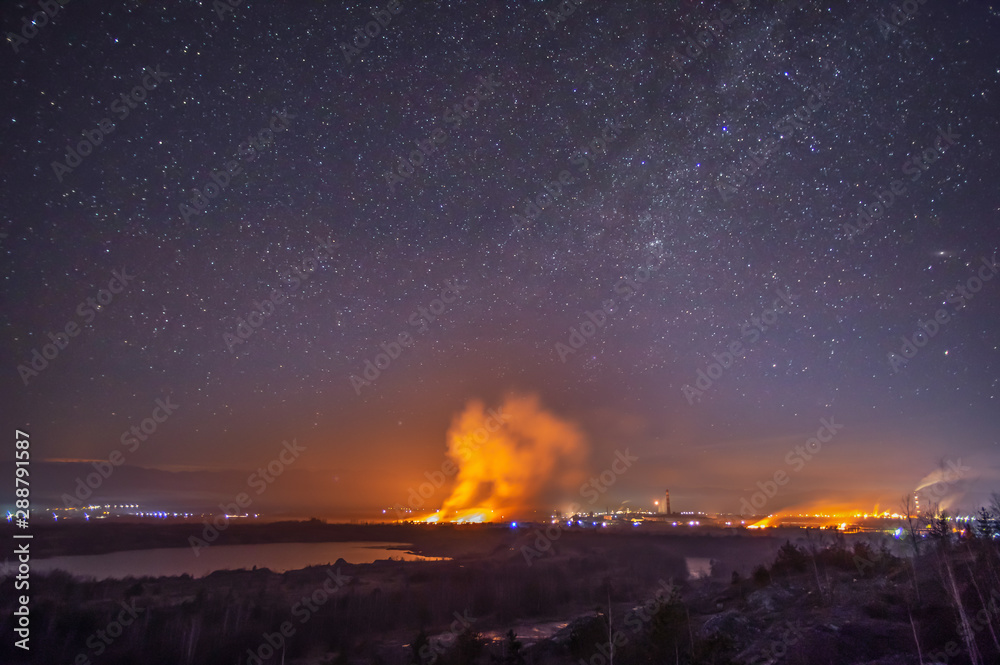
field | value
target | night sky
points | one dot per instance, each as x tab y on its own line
556	164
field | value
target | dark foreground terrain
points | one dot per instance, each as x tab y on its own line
587	596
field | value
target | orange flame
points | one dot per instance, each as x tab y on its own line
502	473
823	513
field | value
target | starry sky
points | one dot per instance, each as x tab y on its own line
398	186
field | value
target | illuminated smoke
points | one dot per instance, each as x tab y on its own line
504	473
944	488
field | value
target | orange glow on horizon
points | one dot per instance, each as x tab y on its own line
503	472
825	515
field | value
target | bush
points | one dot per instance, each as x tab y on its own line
468	645
586	635
715	650
790	559
668	627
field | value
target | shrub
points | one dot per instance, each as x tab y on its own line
790	559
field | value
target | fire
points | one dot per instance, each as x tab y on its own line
502	474
823	514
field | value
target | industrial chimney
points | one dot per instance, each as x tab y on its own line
666	502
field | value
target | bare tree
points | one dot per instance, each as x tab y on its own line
956	597
814	548
911	525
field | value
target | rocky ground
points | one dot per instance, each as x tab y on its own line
844	602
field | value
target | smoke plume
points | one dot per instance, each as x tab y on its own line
509	458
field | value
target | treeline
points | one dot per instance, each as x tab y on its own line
939	592
217	619
931	592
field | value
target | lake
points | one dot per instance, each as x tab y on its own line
278	557
698	567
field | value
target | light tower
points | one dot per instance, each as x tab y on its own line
666	502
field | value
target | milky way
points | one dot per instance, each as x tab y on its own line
691	228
